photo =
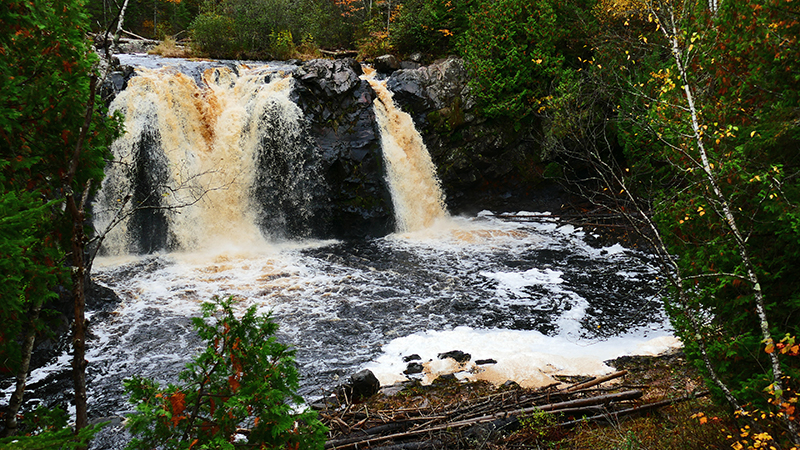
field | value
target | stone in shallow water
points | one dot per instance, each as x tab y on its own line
481	362
458	355
413	368
409	358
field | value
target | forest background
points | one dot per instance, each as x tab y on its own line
683	116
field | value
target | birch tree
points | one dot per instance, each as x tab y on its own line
707	113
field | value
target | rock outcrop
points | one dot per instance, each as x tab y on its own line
338	105
483	164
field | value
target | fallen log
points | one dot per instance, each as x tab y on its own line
608	415
140	38
602	399
595	382
339	53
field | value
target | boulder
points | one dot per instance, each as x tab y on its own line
365	384
386	64
362	385
433	87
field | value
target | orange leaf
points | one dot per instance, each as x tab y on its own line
234	383
178	401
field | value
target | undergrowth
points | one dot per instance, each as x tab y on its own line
169	48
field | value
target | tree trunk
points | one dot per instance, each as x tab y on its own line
79	299
75	208
15	401
120	20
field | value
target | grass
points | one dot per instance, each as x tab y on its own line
169	48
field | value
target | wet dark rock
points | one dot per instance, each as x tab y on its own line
409	65
329	78
330	401
386	64
338	107
409	358
365	384
446	378
116	81
510	384
396	388
482	362
413	368
458	355
362	384
101	298
433	87
483	163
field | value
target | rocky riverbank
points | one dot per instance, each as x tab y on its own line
651	402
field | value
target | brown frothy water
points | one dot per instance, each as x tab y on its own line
416	191
208	138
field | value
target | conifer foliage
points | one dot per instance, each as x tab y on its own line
240	391
53	146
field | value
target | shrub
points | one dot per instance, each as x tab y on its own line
282	44
428	25
241	388
213	35
47	429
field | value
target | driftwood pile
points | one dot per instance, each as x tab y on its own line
376	426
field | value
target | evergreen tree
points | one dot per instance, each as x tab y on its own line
53	146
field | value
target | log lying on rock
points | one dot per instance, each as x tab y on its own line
340	53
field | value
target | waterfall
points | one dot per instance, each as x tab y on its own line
202	167
416	191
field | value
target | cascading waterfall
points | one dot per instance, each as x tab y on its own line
201	167
416	191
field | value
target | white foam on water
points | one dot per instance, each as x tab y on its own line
480	285
527	357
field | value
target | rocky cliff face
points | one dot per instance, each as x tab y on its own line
482	164
338	106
